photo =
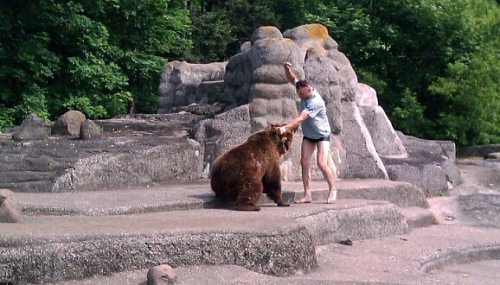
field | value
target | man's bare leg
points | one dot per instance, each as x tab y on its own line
323	164
305	162
332	167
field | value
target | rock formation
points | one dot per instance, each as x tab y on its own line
256	93
32	128
206	109
10	212
182	84
68	124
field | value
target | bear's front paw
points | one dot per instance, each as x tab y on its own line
283	204
248	208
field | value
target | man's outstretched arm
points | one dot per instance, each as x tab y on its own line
294	124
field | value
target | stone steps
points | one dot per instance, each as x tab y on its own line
74	165
70	236
417	217
274	241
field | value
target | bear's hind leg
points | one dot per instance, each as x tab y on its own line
276	197
273	192
249	197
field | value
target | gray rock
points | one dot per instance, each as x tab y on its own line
366	96
179	159
481	209
90	130
68	124
430	165
493	155
265	33
361	156
210	92
385	139
423	173
206	110
162	274
281	252
32	128
246	46
369	223
9	210
73	165
180	81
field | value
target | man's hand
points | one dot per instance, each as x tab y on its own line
280	130
289	73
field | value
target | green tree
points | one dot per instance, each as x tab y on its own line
471	86
88	77
87	55
27	64
245	17
213	48
221	27
401	48
147	32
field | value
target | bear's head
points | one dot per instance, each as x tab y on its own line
283	141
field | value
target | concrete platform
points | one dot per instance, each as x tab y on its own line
75	235
196	194
113	237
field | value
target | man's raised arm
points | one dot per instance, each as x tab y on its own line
289	73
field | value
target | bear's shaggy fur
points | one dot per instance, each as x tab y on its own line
249	169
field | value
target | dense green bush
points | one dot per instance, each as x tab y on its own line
434	64
93	56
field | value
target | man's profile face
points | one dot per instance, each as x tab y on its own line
303	92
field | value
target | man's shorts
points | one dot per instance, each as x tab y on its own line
323	139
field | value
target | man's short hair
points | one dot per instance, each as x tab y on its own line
301	83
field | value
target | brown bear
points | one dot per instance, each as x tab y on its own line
251	168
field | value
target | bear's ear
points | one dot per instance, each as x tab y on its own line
273	130
274	126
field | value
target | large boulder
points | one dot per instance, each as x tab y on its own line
364	143
9	209
183	83
431	165
68	124
162	274
32	128
385	138
362	159
256	77
62	165
90	130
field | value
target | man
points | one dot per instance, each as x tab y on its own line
317	131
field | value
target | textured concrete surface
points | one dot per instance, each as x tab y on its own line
441	244
431	255
196	194
76	235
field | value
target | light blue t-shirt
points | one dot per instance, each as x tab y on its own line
316	126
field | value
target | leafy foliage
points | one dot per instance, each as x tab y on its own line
217	25
229	24
434	64
403	48
471	86
93	56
